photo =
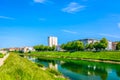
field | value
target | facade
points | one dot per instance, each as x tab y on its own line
114	45
13	49
27	49
109	46
88	41
52	41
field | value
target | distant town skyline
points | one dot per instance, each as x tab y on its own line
30	22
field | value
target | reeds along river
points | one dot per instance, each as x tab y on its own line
82	70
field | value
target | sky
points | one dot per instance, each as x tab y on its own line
30	22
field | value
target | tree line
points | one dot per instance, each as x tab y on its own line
79	46
44	48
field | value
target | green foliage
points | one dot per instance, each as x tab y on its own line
57	73
103	55
39	64
44	48
73	46
118	46
102	45
18	68
78	45
1	55
89	46
97	46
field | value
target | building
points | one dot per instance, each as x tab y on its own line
52	41
109	46
114	45
27	49
88	41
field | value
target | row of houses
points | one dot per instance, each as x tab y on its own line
111	45
22	49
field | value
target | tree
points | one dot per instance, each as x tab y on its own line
89	46
103	43
73	46
118	46
44	48
97	46
78	45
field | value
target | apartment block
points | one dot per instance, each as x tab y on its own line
52	41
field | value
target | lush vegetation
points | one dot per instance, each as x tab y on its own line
44	48
73	46
103	55
78	45
1	55
118	46
18	68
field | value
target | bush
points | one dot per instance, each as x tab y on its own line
1	55
57	73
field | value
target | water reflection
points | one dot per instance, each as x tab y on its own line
87	70
82	70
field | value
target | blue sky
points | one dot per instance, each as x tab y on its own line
30	22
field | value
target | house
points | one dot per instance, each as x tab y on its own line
27	49
114	45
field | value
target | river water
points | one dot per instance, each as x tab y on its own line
82	70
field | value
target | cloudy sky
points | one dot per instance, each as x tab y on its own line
30	22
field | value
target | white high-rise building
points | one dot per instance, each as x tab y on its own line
52	41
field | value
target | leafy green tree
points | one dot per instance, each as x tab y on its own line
73	46
96	46
44	48
89	46
53	48
78	45
118	46
103	43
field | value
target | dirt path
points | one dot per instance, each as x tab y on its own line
3	59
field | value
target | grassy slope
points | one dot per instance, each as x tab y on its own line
18	68
115	56
1	55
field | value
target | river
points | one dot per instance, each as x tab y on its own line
82	70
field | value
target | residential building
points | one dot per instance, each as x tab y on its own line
3	52
109	46
52	41
88	41
27	49
13	49
114	45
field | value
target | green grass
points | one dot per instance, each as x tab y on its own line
105	55
1	55
18	68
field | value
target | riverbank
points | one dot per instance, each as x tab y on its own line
107	57
18	68
3	59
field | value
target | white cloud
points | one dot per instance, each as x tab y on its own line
5	17
68	31
109	35
118	25
73	7
39	1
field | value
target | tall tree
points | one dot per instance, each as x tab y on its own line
103	43
89	46
96	46
118	46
